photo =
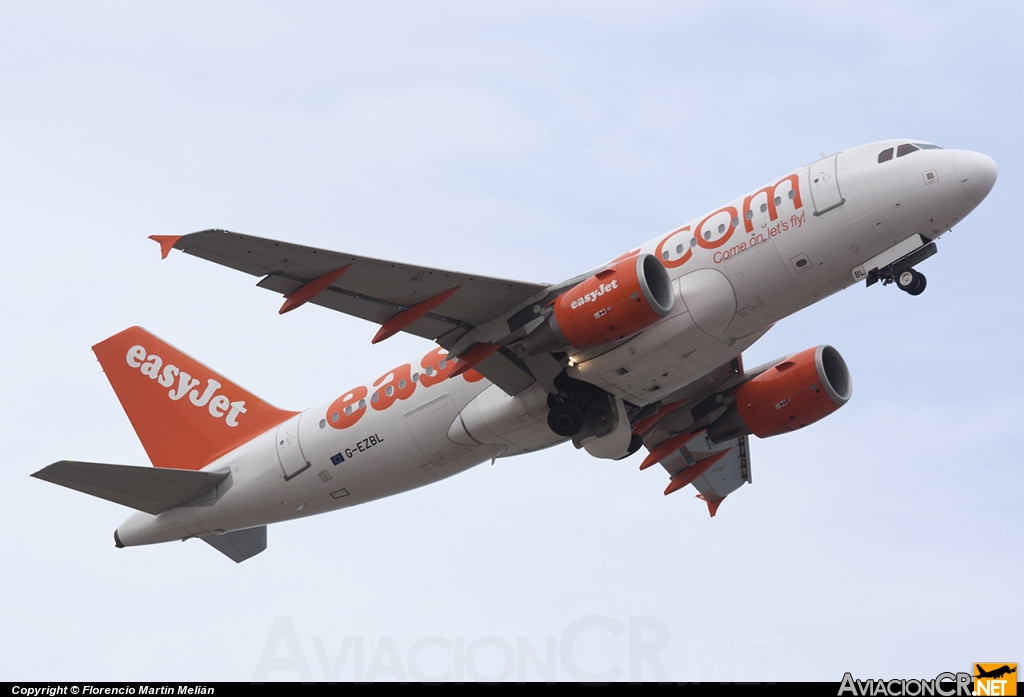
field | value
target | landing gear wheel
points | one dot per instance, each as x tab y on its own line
565	419
911	282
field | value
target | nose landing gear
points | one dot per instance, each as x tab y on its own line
901	271
912	282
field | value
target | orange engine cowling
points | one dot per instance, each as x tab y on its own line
793	393
614	304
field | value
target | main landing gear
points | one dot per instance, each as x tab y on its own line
912	282
580	410
565	418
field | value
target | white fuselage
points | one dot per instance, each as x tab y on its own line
736	271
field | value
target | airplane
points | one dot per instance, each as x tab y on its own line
644	351
995	673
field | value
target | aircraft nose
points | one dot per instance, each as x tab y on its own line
977	173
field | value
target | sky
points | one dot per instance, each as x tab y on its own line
523	140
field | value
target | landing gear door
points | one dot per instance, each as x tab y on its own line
289	451
824	181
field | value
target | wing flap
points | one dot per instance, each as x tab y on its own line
504	370
149	489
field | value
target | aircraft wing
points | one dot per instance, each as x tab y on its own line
674	436
727	475
714	469
443	306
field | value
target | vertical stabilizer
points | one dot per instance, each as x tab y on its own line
185	414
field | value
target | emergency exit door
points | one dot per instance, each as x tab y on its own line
289	450
823	177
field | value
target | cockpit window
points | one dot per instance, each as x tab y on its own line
905	149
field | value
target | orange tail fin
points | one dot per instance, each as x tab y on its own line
185	414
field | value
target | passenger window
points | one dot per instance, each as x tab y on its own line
905	149
885	155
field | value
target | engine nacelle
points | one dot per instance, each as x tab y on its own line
614	304
793	393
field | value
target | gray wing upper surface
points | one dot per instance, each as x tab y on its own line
689	411
376	290
372	289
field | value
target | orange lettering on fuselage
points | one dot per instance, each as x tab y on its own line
769	193
705	241
392	386
336	415
674	243
436	368
664	254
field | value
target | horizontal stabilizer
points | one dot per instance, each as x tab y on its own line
147	489
240	544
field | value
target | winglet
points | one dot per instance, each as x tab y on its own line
303	294
712	505
406	317
473	357
166	243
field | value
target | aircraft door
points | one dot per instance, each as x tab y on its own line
824	181
289	451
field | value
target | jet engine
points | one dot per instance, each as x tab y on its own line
613	304
793	393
